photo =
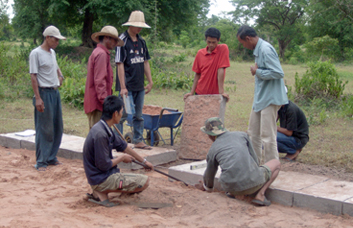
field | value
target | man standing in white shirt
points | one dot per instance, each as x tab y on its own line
46	77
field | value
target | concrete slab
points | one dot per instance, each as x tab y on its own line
291	189
347	207
192	177
292	181
330	189
157	156
72	146
323	205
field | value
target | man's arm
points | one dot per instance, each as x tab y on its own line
284	131
121	76
220	78
194	85
39	102
147	71
60	76
136	156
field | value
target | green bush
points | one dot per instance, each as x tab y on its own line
347	106
73	88
321	80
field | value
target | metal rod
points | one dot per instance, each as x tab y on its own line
158	171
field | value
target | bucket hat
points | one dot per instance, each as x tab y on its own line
108	31
53	31
137	19
213	126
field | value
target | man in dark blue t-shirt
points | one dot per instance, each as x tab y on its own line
132	66
100	167
293	132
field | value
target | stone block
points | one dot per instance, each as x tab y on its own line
10	141
320	204
25	144
192	177
280	196
348	207
195	144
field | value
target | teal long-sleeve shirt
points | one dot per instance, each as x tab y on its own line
269	84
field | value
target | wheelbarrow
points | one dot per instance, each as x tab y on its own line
153	122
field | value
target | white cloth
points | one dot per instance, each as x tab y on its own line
45	66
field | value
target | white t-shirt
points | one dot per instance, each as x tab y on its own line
45	66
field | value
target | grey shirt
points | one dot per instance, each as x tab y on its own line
233	152
45	66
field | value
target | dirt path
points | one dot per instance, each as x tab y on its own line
56	198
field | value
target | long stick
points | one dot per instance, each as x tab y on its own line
158	171
119	132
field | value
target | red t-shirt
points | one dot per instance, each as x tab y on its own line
207	64
99	80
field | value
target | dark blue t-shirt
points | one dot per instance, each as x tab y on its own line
97	153
133	55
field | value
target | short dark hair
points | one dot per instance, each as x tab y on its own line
213	32
245	31
111	104
100	38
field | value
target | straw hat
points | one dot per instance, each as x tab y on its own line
107	31
137	19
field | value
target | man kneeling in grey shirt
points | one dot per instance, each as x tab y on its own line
241	173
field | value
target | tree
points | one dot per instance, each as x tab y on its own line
5	26
328	17
282	15
31	18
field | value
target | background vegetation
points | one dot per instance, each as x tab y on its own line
314	42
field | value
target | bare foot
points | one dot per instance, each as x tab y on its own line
293	157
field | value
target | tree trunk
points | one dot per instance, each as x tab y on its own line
87	29
282	46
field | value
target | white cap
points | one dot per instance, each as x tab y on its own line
53	31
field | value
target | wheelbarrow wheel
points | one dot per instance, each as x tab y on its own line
128	137
156	138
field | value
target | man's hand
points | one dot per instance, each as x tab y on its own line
226	96
61	80
124	92
187	95
40	105
253	69
148	88
128	158
149	164
199	186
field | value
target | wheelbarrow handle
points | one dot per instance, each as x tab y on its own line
168	109
158	171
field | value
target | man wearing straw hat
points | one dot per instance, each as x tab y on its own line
46	77
132	64
99	80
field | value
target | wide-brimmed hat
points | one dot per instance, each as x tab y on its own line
108	31
53	31
137	19
213	126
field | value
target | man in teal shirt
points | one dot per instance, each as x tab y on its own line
269	94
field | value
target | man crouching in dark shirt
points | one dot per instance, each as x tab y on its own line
100	167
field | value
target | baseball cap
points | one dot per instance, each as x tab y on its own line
213	126
53	31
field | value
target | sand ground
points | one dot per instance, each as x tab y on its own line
56	198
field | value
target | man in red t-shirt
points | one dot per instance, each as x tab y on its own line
210	66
